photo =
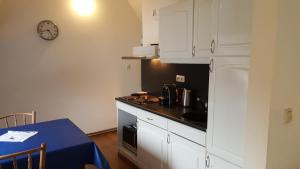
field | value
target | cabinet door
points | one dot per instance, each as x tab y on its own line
183	153
176	30
150	12
152	146
203	27
228	86
217	163
234	27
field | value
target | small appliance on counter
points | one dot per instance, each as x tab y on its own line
168	93
130	137
186	97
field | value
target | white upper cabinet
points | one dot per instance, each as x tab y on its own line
228	89
151	146
150	12
214	162
183	153
233	27
203	27
176	30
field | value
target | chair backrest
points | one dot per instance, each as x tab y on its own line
15	117
41	149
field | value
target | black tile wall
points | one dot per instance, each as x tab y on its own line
155	74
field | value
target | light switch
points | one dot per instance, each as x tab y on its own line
288	115
128	66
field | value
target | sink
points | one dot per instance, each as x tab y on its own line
195	117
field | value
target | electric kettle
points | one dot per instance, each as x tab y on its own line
186	98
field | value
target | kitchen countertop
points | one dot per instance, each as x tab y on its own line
174	113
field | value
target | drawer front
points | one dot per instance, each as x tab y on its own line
127	108
187	132
153	119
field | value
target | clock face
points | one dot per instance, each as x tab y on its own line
47	30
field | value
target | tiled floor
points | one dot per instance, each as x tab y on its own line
108	145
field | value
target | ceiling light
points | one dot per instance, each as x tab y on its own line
84	7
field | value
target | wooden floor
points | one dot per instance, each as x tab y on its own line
108	145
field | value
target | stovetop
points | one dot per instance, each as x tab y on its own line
142	99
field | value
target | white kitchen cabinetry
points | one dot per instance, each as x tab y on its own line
233	27
150	10
183	153
161	143
176	30
203	28
228	87
152	146
217	163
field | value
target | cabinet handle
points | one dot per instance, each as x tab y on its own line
211	65
193	51
168	139
149	119
212	46
207	162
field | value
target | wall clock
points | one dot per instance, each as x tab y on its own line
47	30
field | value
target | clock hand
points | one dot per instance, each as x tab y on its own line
50	33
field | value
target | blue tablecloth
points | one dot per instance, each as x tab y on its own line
67	146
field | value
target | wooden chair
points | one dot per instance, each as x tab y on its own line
29	153
15	116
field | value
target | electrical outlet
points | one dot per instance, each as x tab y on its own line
180	78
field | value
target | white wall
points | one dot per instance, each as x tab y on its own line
264	36
284	139
274	86
75	76
137	7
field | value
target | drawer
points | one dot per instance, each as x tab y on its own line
187	132
153	119
127	108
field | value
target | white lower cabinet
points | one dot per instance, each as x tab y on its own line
185	154
160	149
214	162
151	146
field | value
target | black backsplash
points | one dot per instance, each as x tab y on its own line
155	74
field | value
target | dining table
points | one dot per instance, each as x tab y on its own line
68	147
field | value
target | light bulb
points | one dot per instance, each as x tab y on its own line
84	7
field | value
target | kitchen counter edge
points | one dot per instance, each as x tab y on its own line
168	116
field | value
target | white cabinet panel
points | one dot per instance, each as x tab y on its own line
176	30
228	87
218	163
152	118
203	27
187	132
150	10
152	146
234	27
190	30
183	153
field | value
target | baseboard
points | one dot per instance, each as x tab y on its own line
101	132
